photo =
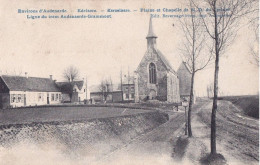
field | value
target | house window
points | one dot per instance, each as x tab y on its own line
152	73
57	97
132	95
12	98
19	98
84	90
127	96
52	97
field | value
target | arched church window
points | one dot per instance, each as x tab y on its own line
152	73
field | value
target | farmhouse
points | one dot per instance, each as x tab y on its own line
18	91
75	91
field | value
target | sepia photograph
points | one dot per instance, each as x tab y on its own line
120	82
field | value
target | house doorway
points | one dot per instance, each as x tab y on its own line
152	94
48	100
24	99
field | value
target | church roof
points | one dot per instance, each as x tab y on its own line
186	66
165	61
150	32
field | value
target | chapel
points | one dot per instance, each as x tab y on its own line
155	79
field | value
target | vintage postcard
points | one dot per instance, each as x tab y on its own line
129	82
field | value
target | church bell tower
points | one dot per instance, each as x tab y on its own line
151	37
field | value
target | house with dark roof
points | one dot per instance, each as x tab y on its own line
155	78
75	91
18	91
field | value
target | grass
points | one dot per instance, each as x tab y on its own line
249	104
65	113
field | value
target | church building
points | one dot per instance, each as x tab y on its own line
154	77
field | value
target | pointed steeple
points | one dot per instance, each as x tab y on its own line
150	32
151	37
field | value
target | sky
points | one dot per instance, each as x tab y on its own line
100	48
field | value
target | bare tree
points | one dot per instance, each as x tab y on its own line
254	46
71	73
106	87
14	71
254	51
221	25
193	51
210	91
253	24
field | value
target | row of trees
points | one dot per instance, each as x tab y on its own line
208	34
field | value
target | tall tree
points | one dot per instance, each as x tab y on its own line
71	73
221	24
193	51
106	87
254	25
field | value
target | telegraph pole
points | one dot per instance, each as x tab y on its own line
121	80
128	80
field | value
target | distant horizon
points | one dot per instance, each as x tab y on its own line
99	48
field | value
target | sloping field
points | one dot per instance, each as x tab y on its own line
62	113
249	104
68	142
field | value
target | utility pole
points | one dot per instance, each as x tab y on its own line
112	89
128	80
121	80
86	87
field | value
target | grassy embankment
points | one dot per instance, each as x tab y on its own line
249	104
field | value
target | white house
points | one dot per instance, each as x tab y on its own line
75	91
18	91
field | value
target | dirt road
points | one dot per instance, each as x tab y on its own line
237	139
237	135
153	147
